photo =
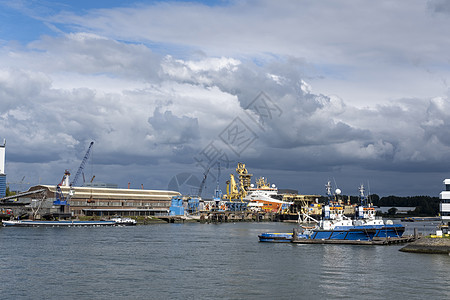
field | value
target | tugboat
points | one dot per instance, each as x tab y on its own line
365	216
335	226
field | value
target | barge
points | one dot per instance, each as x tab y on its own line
31	223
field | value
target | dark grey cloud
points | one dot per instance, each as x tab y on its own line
439	6
170	129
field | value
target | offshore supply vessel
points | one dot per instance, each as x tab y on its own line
262	196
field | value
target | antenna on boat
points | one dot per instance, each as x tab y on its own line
362	196
335	184
329	193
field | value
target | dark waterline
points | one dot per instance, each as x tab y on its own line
205	261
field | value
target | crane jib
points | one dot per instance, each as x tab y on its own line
83	162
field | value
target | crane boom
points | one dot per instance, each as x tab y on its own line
202	184
83	162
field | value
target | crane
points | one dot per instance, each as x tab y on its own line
83	162
59	196
202	184
19	183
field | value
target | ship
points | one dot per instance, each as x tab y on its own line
260	197
266	196
121	221
334	225
72	223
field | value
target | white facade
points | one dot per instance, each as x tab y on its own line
2	157
445	202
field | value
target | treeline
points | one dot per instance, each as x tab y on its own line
425	205
9	193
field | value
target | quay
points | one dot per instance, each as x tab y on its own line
223	217
429	245
235	216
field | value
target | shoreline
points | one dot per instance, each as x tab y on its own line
429	245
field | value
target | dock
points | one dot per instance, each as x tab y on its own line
222	217
430	245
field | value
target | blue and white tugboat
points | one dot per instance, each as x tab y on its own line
335	226
365	216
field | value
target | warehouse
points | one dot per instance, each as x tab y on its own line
104	202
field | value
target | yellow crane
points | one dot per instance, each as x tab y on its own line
233	190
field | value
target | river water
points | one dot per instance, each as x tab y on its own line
207	261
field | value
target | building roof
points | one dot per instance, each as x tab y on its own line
111	194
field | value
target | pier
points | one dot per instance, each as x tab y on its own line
223	217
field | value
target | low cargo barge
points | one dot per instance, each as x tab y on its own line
288	238
31	223
375	241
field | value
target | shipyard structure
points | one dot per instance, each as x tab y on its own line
50	201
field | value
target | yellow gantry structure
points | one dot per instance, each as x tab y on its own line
235	192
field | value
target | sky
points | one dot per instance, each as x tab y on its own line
303	92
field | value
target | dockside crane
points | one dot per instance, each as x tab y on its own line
81	168
202	184
60	198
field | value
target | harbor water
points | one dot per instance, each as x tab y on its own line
207	261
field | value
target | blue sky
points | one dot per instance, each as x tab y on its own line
353	91
25	20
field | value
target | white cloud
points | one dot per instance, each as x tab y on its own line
319	63
364	44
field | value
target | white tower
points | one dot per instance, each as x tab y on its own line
2	157
445	202
2	170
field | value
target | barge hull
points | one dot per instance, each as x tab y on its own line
27	223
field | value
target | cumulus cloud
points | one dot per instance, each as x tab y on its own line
149	108
190	102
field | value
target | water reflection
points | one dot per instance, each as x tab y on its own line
204	261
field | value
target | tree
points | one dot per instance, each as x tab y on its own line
392	211
9	193
375	199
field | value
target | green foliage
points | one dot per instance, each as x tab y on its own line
9	193
424	205
392	211
375	199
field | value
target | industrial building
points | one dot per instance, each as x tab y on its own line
66	199
103	202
